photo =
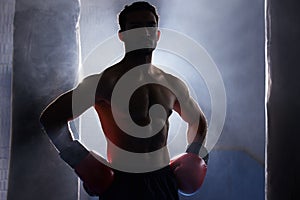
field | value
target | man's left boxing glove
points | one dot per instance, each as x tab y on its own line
189	170
96	176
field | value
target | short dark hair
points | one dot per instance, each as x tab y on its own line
136	6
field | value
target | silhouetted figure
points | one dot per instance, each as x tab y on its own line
132	126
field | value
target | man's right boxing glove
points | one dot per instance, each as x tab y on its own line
189	170
96	176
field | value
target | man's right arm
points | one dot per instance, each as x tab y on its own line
96	176
55	121
66	107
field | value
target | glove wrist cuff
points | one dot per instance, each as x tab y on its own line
199	149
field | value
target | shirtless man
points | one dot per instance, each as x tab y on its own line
139	32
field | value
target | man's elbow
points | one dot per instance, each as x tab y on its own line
50	125
48	119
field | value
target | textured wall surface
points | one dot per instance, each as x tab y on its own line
7	9
46	57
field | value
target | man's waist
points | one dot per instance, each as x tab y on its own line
137	162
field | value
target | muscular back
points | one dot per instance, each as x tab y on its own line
141	100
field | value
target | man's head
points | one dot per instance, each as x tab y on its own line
138	27
134	7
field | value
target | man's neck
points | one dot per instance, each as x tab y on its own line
136	58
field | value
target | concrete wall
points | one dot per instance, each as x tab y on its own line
7	9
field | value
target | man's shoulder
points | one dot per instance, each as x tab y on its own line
111	75
106	74
171	78
174	83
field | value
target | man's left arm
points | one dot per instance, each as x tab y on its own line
190	168
190	112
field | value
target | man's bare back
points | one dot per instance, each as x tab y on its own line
139	105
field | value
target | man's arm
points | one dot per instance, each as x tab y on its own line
96	176
55	120
190	112
65	108
190	168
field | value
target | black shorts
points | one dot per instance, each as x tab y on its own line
156	185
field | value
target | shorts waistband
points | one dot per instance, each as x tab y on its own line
151	173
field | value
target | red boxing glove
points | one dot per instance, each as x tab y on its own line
190	171
96	176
